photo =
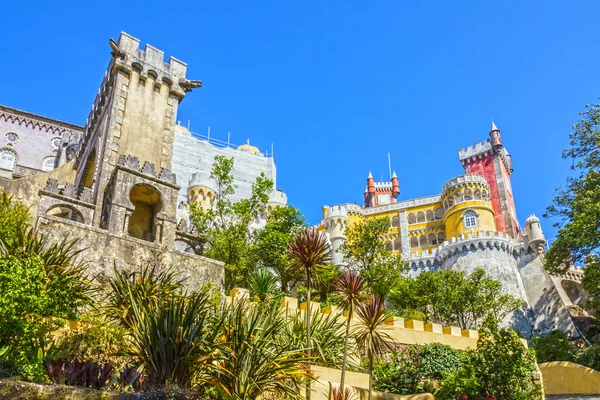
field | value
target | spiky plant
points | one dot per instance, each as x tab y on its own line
263	284
340	394
252	361
368	335
147	284
326	342
172	339
350	288
309	252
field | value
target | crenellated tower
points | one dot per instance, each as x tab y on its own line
336	222
491	160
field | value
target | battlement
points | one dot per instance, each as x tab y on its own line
473	242
201	179
480	149
464	180
149	59
401	331
337	211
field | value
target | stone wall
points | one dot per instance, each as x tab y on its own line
103	251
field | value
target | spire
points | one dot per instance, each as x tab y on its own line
494	127
394	175
370	175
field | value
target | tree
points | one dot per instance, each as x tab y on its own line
225	227
553	346
350	288
269	247
310	253
451	298
365	251
369	337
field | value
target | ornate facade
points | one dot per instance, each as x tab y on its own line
471	224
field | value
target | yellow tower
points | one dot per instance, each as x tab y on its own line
467	207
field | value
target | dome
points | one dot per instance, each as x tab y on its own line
532	218
248	148
182	129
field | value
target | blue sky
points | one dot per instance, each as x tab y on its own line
336	85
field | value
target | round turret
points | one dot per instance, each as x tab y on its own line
495	137
467	207
395	186
336	223
535	235
276	199
201	190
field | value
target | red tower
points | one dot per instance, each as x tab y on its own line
381	193
491	160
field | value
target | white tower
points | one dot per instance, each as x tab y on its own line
336	223
535	235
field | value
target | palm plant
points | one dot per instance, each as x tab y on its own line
263	284
369	337
173	339
309	252
251	360
350	288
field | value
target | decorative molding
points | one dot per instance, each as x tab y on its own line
34	121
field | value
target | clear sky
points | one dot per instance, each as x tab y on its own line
336	85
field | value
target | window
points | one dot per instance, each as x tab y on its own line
470	219
48	164
55	142
11	138
8	159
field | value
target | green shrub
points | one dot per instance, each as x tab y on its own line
554	346
414	367
590	357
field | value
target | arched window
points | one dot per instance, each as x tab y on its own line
432	239
48	164
430	215
423	241
147	204
414	242
388	246
420	216
470	219
441	237
412	218
8	159
439	213
395	222
398	244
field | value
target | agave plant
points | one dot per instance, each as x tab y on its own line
340	394
251	360
172	339
263	284
368	335
309	253
350	288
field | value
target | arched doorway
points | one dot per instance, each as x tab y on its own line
147	204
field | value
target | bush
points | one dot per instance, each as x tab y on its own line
554	346
415	368
590	357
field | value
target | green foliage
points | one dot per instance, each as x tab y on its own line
590	357
14	219
263	285
95	340
269	244
365	251
501	367
172	339
149	284
252	360
326	342
225	227
412	367
554	346
577	206
451	298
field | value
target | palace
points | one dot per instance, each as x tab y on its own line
471	224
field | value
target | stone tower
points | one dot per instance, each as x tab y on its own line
336	223
491	160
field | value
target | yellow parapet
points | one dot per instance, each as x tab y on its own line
563	377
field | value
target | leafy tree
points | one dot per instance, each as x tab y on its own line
451	298
350	287
269	247
310	253
14	219
554	346
368	334
365	251
225	227
501	367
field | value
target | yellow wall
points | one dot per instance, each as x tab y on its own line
453	221
562	377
